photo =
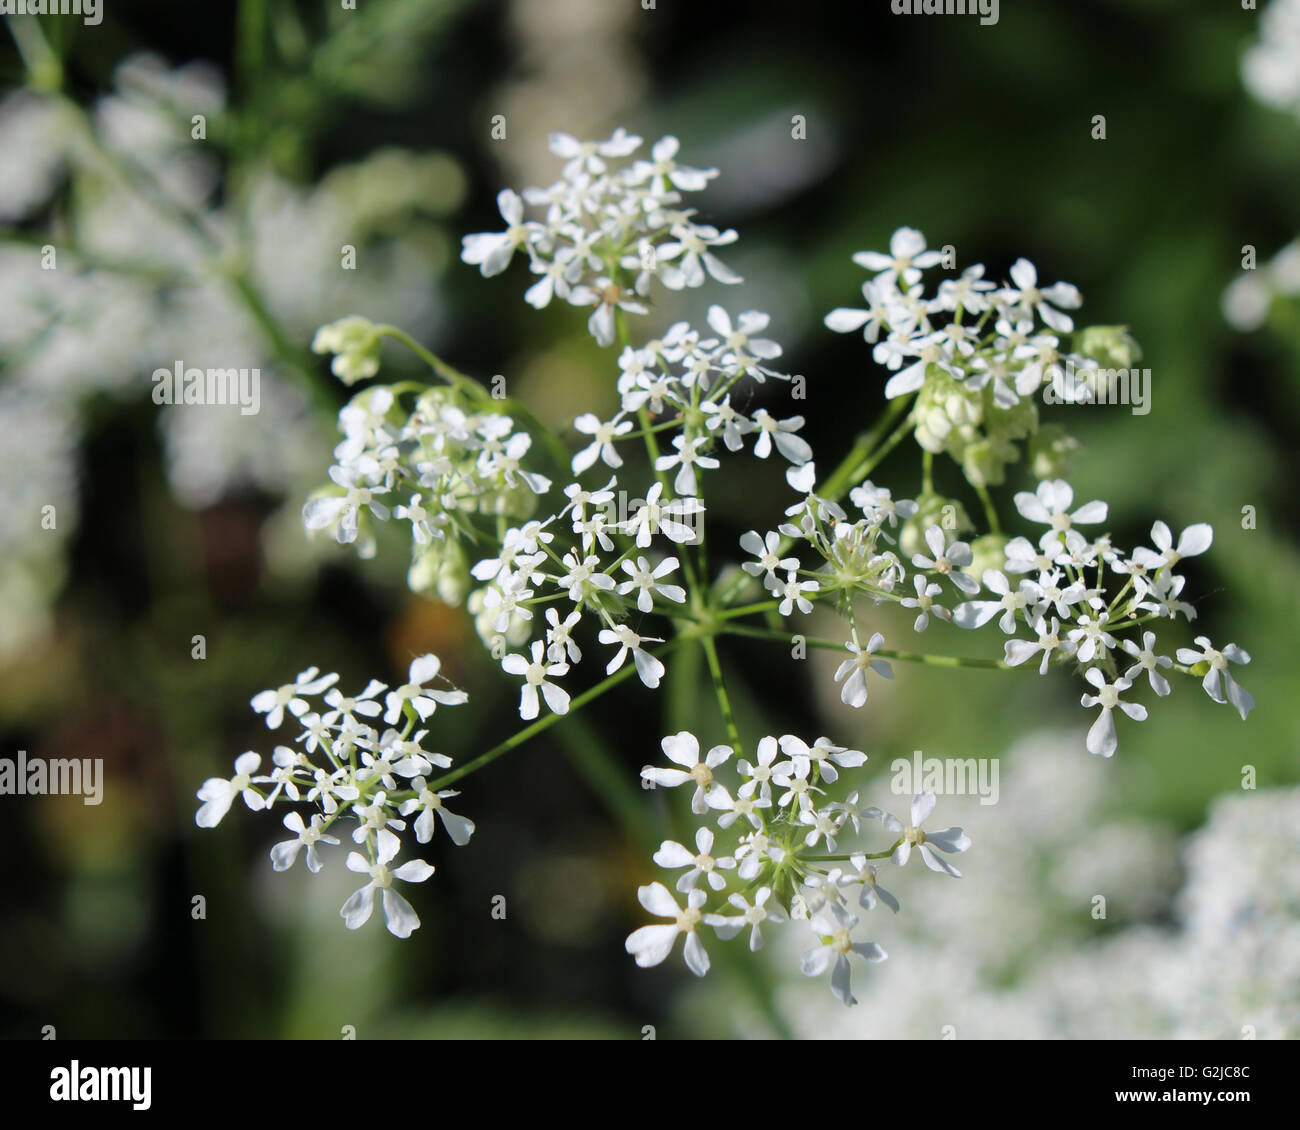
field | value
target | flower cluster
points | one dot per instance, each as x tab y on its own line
607	227
975	353
436	465
454	464
1062	599
344	767
780	864
1069	598
554	568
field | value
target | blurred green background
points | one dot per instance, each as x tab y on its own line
376	124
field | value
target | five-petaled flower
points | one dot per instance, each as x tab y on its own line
399	915
683	749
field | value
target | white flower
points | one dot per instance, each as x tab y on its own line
306	835
952	840
345	709
728	926
683	748
655	517
871	888
1090	638
822	754
1101	737
342	513
690	247
948	560
330	788
907	257
646	583
492	252
585	156
781	432
584	578
602	445
795	777
557	277
1049	640
833	923
605	296
747	807
273	703
663	169
871	320
561	647
977	613
932	349
1148	661
1027	295
375	817
648	667
536	675
741	347
925	605
427	803
853	672
650	945
1192	542
688	457
1050	504
1218	679
424	699
791	592
759	774
288	764
399	915
754	850
878	504
672	855
723	417
767	551
824	823
218	793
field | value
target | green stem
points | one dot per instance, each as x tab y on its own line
838	645
990	512
543	724
720	689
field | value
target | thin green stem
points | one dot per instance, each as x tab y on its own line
543	724
990	511
730	629
720	689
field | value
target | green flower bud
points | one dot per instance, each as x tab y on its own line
1112	347
440	570
1051	452
985	463
989	552
932	510
355	344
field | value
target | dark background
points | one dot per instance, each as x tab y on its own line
980	137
